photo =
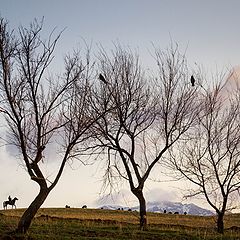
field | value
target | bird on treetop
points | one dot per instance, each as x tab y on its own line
101	77
192	81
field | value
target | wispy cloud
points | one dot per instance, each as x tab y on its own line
125	198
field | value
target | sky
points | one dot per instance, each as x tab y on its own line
208	30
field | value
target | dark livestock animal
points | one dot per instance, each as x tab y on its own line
67	206
84	206
11	202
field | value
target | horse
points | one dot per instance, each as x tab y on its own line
12	202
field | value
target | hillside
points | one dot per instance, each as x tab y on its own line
75	223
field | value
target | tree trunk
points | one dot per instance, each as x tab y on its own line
142	209
29	214
220	224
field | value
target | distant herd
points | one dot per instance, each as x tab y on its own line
165	211
129	210
12	203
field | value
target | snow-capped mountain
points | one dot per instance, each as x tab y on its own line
167	206
173	207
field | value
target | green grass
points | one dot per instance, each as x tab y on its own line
106	224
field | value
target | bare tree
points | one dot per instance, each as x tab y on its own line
42	110
147	116
211	158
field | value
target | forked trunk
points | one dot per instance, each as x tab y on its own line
220	223
142	209
29	214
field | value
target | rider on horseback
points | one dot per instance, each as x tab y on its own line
10	202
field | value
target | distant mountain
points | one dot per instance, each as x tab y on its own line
191	208
172	207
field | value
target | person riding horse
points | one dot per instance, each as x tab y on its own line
10	202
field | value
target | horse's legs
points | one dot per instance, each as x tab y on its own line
5	205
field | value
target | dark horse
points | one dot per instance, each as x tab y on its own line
11	202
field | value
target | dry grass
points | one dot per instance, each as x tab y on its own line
105	224
125	216
130	217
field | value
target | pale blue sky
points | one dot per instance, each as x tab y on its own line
209	29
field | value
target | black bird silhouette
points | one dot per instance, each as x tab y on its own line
102	78
192	81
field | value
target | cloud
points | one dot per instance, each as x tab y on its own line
232	82
160	194
14	180
123	197
126	198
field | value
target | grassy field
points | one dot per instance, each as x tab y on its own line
101	224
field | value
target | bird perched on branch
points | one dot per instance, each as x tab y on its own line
102	78
192	81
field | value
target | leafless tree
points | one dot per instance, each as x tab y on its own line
211	158
147	117
41	110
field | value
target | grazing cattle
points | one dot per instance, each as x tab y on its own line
10	202
120	209
169	212
129	209
165	211
176	213
185	213
84	206
67	206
